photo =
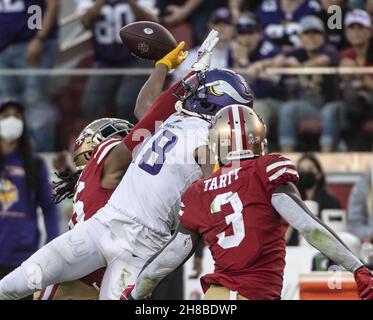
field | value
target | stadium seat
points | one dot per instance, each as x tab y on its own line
342	192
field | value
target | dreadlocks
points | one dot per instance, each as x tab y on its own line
64	188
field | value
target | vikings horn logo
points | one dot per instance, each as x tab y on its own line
8	194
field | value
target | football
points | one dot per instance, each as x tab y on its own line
147	40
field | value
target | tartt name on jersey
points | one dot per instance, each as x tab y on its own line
221	181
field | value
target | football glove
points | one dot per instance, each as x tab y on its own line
174	57
204	52
364	282
126	294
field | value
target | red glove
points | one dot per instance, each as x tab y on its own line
126	294
364	282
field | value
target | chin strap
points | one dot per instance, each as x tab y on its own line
179	109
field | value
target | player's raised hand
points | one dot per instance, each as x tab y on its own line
364	282
204	52
174	57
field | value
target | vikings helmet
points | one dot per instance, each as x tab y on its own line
237	132
93	134
206	93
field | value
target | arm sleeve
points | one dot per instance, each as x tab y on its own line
161	109
45	201
314	231
358	221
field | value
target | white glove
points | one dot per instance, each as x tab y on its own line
204	52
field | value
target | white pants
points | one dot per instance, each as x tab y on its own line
76	253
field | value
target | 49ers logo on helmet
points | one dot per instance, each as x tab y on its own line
86	133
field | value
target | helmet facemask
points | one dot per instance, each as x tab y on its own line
96	132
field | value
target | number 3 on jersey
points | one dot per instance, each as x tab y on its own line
236	219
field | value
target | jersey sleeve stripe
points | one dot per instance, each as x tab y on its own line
107	150
279	173
279	164
104	144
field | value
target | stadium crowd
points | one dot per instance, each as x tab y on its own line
254	35
307	112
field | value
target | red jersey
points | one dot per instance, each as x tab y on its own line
161	109
232	211
89	195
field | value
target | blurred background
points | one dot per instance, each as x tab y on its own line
309	63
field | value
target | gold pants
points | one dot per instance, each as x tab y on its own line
216	292
73	290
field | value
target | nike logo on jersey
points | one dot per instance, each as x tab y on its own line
222	180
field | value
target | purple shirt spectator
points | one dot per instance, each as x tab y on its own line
13	21
325	85
109	50
283	27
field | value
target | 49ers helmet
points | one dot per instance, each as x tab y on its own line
237	132
94	133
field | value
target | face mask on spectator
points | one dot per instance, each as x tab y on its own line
307	180
11	128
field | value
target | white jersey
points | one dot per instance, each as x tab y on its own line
163	169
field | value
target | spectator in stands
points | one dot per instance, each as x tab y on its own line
105	19
312	183
357	90
24	187
309	94
195	12
280	19
360	209
24	44
221	21
251	50
334	25
312	186
238	6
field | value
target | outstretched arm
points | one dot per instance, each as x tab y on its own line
154	85
288	204
175	253
150	90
